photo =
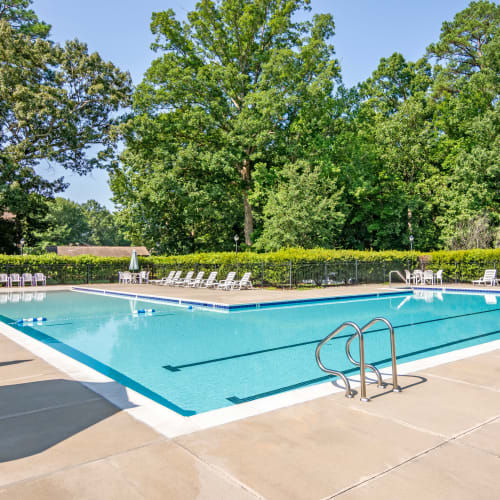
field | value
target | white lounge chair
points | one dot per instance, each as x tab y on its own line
4	279
197	281
174	278
490	276
15	278
27	279
211	281
185	280
164	280
39	278
244	282
228	282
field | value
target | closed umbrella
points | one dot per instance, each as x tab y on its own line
134	265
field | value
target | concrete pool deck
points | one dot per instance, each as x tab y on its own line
439	438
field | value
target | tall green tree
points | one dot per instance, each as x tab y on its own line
55	103
230	100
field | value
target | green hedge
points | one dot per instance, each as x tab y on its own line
275	268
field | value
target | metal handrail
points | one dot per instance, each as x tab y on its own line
374	369
399	274
395	386
359	333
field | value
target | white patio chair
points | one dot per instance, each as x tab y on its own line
126	277
197	281
490	276
211	281
438	277
244	282
4	279
185	280
164	280
39	278
409	277
144	277
418	276
27	279
428	276
15	278
228	282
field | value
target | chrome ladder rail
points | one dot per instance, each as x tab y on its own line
361	363
359	334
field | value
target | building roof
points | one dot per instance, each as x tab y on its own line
98	251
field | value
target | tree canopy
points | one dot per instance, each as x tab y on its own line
55	103
242	124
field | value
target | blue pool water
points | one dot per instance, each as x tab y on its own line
195	360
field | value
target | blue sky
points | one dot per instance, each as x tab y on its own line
366	30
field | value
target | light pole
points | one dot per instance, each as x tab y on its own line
236	238
22	244
411	242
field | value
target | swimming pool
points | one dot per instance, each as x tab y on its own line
199	359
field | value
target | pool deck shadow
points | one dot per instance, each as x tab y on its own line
438	438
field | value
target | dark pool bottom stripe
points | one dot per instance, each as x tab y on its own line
178	368
237	400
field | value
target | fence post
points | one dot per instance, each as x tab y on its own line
262	274
356	271
455	272
290	263
88	274
383	271
237	270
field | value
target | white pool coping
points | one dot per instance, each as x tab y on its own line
170	424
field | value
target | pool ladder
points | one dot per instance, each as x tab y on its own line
361	363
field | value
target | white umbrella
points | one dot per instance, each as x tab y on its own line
134	265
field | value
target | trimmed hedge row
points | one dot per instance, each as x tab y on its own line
290	266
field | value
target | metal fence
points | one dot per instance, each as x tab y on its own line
282	274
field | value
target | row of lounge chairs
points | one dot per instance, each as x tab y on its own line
175	279
23	279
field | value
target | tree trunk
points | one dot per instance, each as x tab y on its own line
248	219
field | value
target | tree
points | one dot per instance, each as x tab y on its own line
303	212
55	103
220	112
103	227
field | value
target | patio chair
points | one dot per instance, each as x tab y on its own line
27	279
144	277
418	276
439	277
15	278
490	276
164	280
183	281
428	276
211	281
4	279
197	281
409	277
174	278
39	278
127	277
244	282
228	282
